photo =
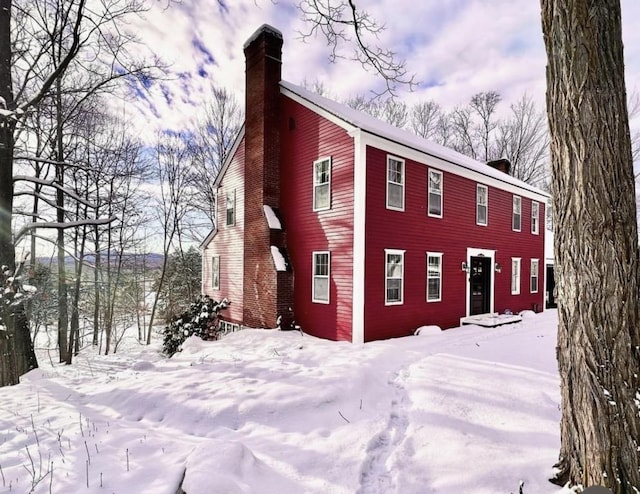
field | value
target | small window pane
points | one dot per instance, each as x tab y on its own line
321	289
394	287
395	195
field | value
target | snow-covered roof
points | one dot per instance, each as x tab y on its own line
372	125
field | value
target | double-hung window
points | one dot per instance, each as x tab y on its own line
215	272
517	214
435	194
515	276
322	184
434	276
231	207
535	217
534	275
394	276
395	183
321	273
482	204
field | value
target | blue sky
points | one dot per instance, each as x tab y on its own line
456	48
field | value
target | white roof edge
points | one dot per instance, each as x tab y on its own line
207	240
230	156
349	118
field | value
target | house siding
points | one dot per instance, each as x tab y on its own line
306	137
228	243
413	231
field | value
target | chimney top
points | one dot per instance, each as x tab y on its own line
265	28
503	164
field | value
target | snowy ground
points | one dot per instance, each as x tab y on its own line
469	410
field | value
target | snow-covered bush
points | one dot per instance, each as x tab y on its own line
200	319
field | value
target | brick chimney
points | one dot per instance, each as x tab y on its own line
503	164
268	293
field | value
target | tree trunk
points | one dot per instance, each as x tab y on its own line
63	315
7	126
596	244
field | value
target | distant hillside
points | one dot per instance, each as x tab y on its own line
151	260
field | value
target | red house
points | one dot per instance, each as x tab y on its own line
357	230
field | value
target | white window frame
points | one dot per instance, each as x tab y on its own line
480	187
315	277
317	184
534	275
435	192
435	255
387	253
517	213
535	217
516	268
215	273
230	207
400	184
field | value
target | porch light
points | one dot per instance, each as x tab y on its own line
465	266
498	267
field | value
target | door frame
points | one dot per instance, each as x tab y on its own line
491	255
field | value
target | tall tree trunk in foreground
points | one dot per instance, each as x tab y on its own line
7	126
596	244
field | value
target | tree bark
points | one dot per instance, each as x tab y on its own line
7	127
596	244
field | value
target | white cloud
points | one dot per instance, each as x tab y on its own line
456	48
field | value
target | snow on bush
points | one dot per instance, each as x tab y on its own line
200	319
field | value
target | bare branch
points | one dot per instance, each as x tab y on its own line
343	24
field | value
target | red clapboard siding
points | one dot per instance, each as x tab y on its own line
417	233
228	242
306	137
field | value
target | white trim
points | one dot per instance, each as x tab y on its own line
516	199
317	109
359	236
402	184
491	254
439	256
517	289
429	171
536	230
396	141
315	163
230	157
392	147
314	275
486	204
537	261
396	252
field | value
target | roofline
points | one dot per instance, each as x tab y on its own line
203	245
230	156
350	127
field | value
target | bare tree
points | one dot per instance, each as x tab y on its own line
424	119
215	134
596	244
523	139
173	157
